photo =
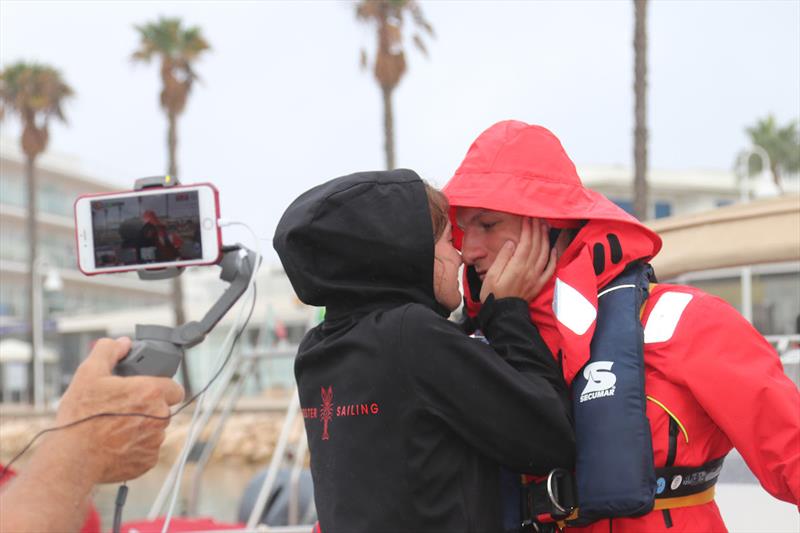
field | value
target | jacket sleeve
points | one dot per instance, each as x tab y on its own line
506	399
737	377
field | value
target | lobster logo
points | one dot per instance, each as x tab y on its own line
326	410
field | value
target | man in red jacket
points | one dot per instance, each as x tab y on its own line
711	380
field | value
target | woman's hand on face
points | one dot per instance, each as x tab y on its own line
522	270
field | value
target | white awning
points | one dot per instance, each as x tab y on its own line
762	231
16	351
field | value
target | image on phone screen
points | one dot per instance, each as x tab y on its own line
139	230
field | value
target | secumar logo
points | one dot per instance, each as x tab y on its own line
327	410
600	380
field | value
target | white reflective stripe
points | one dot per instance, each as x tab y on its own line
665	315
612	289
572	309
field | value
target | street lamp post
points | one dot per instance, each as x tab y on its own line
744	197
52	283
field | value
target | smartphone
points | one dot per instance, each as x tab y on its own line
149	229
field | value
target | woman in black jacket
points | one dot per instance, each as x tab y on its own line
407	418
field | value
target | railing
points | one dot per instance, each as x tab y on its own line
785	345
788	348
222	400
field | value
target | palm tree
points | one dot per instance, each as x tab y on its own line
36	94
389	63
781	144
177	48
640	188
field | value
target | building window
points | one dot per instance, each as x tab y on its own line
13	300
626	205
775	297
12	191
776	303
13	244
55	200
663	209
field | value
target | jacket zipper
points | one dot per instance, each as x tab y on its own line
672	451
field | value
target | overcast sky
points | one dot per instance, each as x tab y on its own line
283	104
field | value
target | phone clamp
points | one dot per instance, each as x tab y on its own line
150	183
159	350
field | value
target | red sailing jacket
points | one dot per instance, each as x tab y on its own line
92	523
705	364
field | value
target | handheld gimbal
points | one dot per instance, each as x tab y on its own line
159	350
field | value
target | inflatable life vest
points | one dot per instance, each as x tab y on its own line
615	476
614	470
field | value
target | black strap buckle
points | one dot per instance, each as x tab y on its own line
561	490
548	501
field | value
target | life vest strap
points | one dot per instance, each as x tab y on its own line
678	481
676	486
685	501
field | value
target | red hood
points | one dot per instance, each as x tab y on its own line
523	169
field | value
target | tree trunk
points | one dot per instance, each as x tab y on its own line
30	176
172	143
776	176
177	286
640	188
388	127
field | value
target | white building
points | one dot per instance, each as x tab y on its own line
278	319
60	182
679	192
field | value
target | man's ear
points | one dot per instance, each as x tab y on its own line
474	284
553	235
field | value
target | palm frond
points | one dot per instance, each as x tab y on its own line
177	47
388	16
419	19
420	44
31	90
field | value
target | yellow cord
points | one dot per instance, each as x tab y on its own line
670	413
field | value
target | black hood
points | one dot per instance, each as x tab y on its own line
360	242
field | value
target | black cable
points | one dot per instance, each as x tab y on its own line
144	415
122	494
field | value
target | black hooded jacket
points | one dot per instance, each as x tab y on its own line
408	418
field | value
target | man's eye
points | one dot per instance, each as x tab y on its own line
488	225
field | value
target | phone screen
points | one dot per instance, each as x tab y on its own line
138	230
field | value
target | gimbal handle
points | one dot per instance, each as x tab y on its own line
159	350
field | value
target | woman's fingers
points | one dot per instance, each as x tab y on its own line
548	272
542	252
522	270
535	238
496	272
524	245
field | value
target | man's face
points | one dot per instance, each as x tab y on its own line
485	232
